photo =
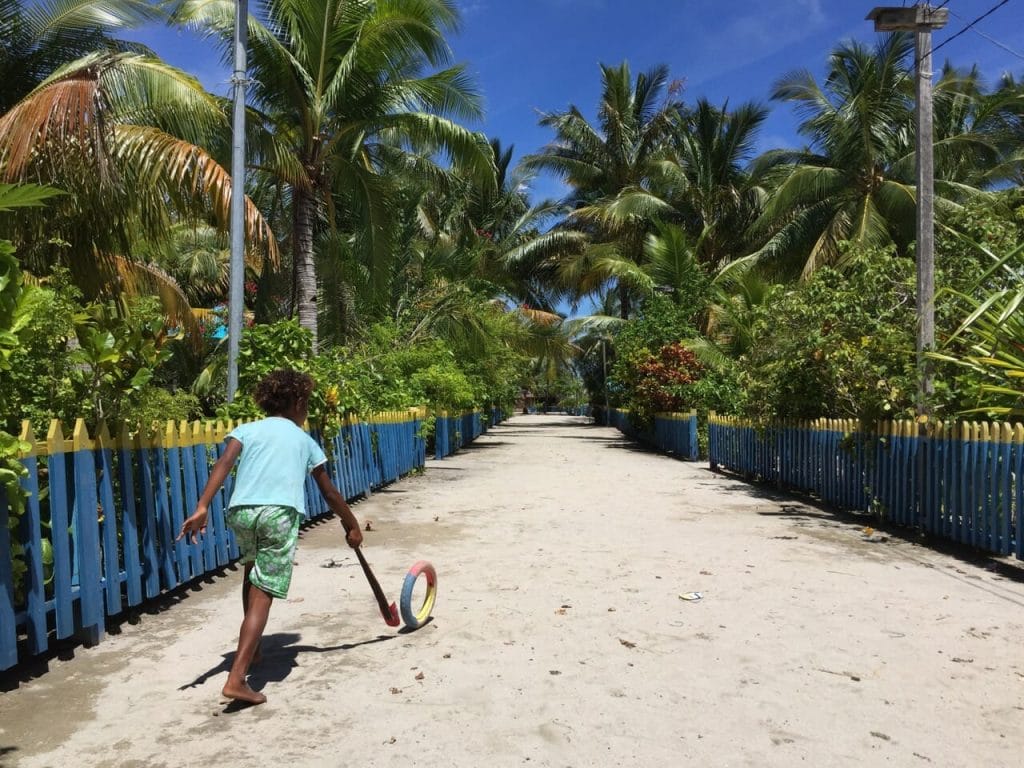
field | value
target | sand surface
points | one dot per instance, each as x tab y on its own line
559	637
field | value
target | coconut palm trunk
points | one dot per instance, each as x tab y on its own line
304	261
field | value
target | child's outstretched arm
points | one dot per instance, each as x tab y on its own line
196	524
338	505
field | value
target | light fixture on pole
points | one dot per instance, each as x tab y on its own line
236	292
921	20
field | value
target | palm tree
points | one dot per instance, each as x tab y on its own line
38	38
123	134
610	167
711	180
198	258
989	342
338	90
475	251
997	116
855	182
495	234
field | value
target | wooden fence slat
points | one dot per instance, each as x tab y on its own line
170	455
129	521
201	553
1018	505
30	535
1004	477
57	466
946	470
8	627
86	544
145	456
108	527
205	449
991	526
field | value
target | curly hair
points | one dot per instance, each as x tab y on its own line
281	389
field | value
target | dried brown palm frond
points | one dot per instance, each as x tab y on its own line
186	173
124	135
137	279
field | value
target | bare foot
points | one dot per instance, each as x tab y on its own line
243	693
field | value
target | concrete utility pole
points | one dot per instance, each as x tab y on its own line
922	20
236	293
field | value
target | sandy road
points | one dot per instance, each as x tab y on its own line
559	637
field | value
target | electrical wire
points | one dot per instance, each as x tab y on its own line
994	42
987	13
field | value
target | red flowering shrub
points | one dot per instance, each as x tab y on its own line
662	379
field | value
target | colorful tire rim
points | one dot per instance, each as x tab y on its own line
416	620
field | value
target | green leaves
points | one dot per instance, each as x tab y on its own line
855	182
841	345
989	341
25	195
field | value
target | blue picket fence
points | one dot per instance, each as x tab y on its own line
673	433
453	432
97	532
960	481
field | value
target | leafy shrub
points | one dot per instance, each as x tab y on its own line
654	371
444	387
844	345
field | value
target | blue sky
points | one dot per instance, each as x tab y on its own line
532	56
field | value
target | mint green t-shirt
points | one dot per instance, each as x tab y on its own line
277	455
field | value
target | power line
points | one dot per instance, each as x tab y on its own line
992	40
987	13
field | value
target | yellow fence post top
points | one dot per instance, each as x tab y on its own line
184	432
55	438
28	435
103	438
80	436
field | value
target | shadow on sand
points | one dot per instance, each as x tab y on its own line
281	652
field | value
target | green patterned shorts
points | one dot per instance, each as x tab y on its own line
267	536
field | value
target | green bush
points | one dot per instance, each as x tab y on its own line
444	387
841	345
654	371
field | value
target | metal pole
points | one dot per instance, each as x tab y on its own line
604	368
925	221
236	295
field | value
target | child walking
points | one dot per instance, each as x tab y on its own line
266	507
